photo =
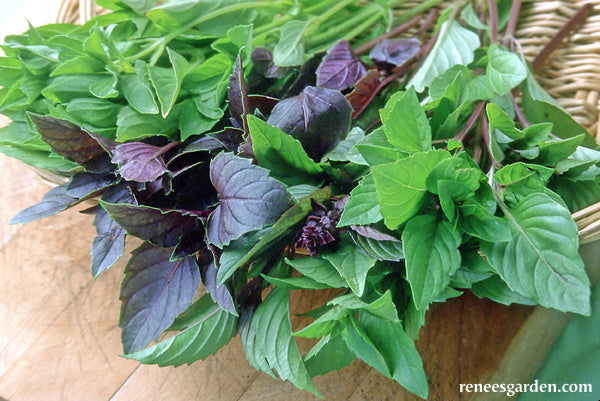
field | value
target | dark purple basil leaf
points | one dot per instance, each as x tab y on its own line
249	198
238	95
228	139
340	68
154	291
54	201
318	117
162	228
220	294
373	233
88	184
108	246
392	53
262	58
264	104
140	162
190	243
68	140
362	94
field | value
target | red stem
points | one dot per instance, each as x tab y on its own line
470	122
519	111
493	9
563	32
427	24
515	10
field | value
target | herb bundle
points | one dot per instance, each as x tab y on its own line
256	148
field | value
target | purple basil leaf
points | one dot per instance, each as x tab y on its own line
340	68
392	53
54	201
190	243
108	246
363	91
154	291
70	141
163	228
238	95
249	198
87	184
373	233
140	162
264	104
318	117
220	294
228	139
262	58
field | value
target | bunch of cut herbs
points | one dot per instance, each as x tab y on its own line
263	147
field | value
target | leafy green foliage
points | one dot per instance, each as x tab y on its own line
274	341
455	45
432	256
401	186
541	262
351	263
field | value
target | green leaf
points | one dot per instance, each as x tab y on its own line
289	219
232	253
552	152
359	342
237	38
432	256
484	225
455	45
539	107
289	51
282	154
137	90
501	121
376	149
342	151
399	352
542	260
295	283
401	186
273	329
167	81
99	112
381	250
134	125
362	207
383	307
497	290
329	354
325	324
406	125
352	264
505	70
209	333
318	269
